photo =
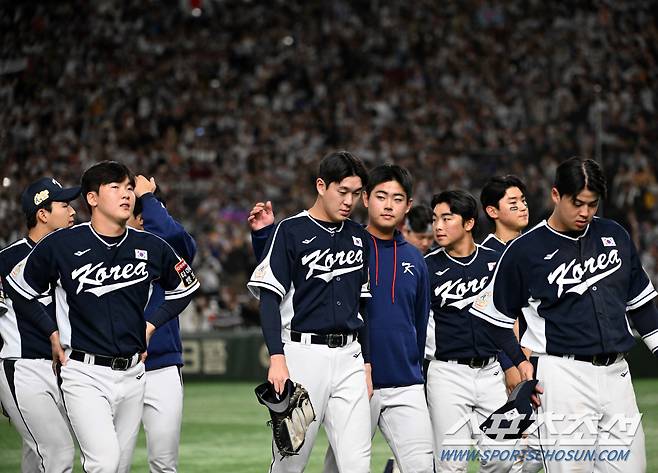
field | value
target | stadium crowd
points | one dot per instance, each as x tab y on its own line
229	102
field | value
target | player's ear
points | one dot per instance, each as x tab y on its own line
320	186
555	195
410	201
42	215
491	211
469	224
364	196
92	199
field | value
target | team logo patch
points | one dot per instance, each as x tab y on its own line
357	241
40	197
608	241
491	265
141	254
260	272
482	300
185	273
17	269
407	267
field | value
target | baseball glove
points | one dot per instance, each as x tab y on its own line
291	413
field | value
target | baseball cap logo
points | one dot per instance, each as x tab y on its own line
40	197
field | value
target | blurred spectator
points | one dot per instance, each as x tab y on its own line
229	102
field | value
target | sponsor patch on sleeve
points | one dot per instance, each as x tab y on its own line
185	273
482	300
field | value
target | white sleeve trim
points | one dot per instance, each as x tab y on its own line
255	287
645	296
507	323
170	295
651	340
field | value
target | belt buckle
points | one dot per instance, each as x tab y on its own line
473	363
602	360
335	340
120	364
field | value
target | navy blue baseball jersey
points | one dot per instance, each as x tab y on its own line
454	285
317	269
493	243
165	347
573	291
102	286
20	338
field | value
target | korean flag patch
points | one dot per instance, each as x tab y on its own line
141	254
357	241
185	273
608	241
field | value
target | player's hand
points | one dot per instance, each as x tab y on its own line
59	357
512	378
261	216
368	368
527	372
278	372
143	356
144	185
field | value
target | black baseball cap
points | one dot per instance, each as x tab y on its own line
45	190
514	418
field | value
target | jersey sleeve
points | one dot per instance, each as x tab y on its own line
640	290
502	300
32	276
177	278
430	340
274	271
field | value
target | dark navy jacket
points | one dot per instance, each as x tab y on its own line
454	284
102	286
397	311
165	348
574	292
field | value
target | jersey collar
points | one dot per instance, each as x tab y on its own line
342	224
545	223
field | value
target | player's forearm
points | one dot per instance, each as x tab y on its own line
259	240
645	321
169	309
270	321
35	314
505	339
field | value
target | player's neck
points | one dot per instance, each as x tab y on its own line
462	248
107	227
505	234
37	232
381	233
318	213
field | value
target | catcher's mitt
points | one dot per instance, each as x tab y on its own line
291	414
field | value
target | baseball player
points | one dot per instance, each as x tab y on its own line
417	228
464	378
313	284
163	397
28	388
398	313
503	200
578	281
103	274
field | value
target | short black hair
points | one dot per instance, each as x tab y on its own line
31	219
102	173
495	189
460	203
338	165
387	173
576	174
419	218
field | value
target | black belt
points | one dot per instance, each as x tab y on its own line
474	362
117	363
332	340
602	359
